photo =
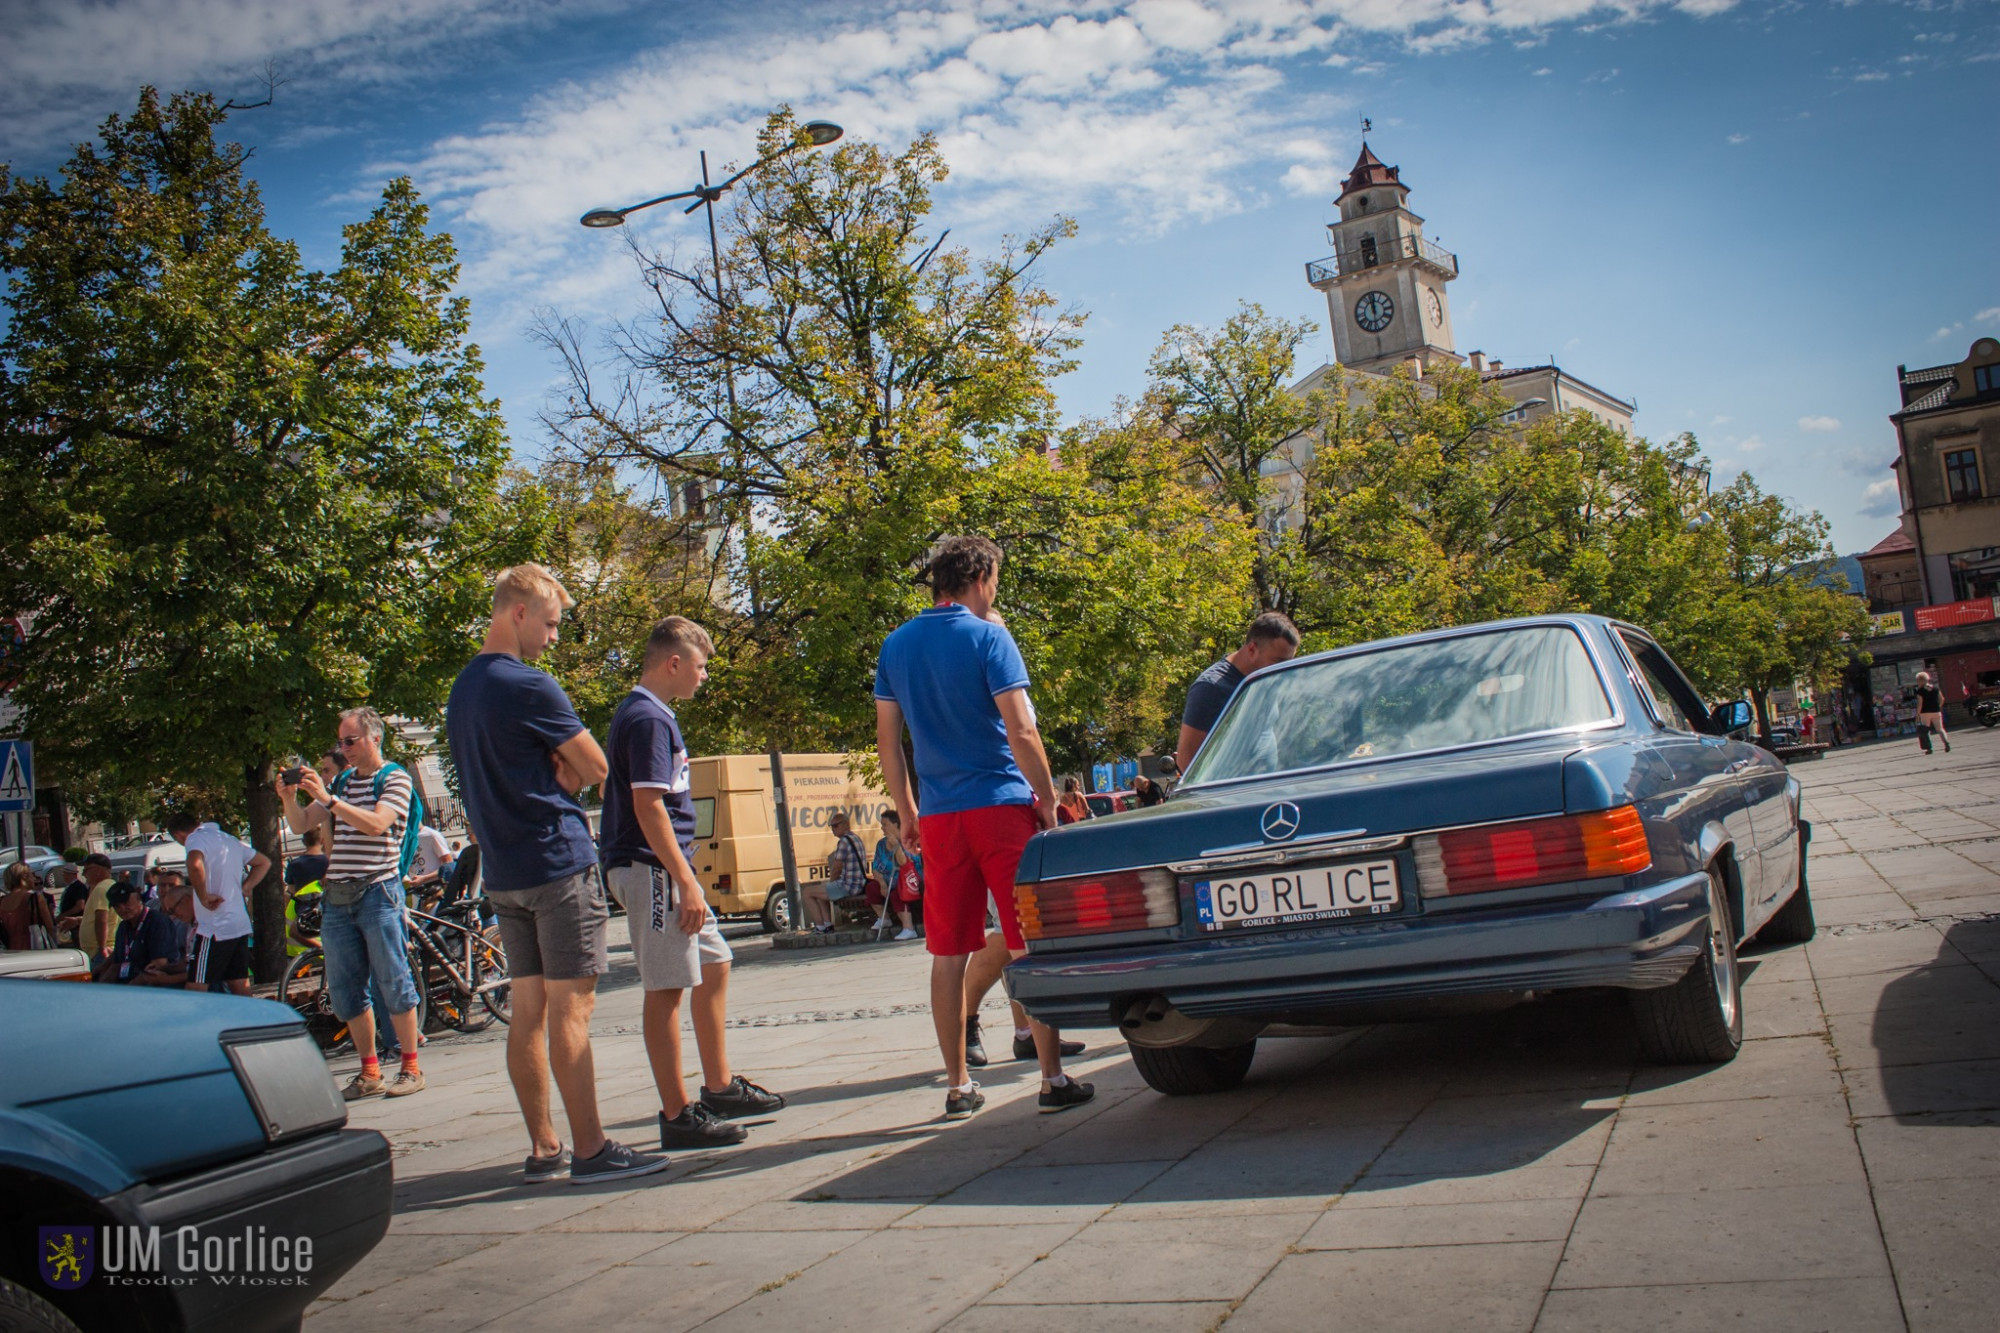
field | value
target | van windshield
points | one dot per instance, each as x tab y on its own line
704	818
1467	690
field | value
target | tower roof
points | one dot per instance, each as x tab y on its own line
1369	171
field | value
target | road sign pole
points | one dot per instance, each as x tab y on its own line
785	853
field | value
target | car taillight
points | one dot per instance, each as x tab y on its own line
722	884
1532	851
1098	904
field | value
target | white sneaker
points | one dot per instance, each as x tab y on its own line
907	935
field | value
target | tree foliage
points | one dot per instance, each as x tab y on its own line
889	389
242	494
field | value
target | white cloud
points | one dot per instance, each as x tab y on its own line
1990	315
1752	444
1880	499
1739	138
64	63
1946	330
1819	423
1543	72
1720	421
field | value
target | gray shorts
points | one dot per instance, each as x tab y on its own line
554	930
669	958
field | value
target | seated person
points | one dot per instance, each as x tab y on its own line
144	938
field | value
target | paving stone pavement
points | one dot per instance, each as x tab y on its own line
1519	1171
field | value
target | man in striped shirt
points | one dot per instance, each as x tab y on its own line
363	812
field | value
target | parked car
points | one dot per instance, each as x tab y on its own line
1459	818
34	851
45	964
173	1160
1110	802
141	857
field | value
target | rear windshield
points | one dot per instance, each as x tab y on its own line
1423	696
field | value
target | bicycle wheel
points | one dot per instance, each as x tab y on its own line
493	965
303	988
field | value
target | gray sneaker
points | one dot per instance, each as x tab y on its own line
614	1161
362	1086
542	1170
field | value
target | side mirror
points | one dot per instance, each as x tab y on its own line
1732	716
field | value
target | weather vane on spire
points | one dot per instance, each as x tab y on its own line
1366	124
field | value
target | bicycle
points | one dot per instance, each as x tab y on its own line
461	976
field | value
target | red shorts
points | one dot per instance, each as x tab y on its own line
968	854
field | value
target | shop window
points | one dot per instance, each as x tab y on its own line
1961	474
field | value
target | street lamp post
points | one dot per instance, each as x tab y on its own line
818	134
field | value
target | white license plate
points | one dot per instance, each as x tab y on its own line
1311	893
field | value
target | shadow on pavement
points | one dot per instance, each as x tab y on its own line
1388	1106
1936	1040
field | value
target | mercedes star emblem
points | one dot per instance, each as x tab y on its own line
1281	821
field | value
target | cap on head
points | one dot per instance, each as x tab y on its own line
98	859
120	893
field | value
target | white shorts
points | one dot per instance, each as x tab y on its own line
669	958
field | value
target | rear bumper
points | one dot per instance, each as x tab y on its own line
1641	939
336	1189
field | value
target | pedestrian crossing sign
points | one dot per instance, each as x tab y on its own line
17	776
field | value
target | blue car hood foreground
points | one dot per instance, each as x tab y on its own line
138	1076
1385	796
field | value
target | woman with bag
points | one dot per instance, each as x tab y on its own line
26	919
902	873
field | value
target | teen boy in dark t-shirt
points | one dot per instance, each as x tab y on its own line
1272	638
648	849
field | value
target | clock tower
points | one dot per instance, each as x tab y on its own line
1384	283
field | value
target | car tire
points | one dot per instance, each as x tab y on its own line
778	915
1699	1019
1193	1071
22	1311
1793	923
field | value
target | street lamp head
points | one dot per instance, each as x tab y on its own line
822	132
603	217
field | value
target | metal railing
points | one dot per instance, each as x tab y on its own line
1343	262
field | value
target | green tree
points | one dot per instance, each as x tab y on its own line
887	390
242	494
1775	625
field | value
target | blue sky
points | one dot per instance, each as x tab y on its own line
1744	215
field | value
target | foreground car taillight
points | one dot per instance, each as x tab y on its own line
1098	904
1526	852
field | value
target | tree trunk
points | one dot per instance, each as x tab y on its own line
1761	697
267	898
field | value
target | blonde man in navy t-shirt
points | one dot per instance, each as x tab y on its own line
957	680
647	843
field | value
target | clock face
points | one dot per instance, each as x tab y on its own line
1374	311
1437	306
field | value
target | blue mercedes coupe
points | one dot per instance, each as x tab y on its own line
1423	826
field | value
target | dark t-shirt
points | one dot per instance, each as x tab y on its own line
1210	694
1930	699
139	943
504	721
644	750
73	897
303	870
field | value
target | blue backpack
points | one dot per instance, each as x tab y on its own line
414	820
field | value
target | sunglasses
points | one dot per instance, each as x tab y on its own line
349	742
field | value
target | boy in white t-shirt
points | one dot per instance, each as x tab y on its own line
221	870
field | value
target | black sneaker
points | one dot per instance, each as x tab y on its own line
1024	1047
975	1051
959	1105
742	1097
1065	1095
698	1127
614	1161
542	1170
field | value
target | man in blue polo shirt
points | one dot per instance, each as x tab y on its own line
958	681
647	844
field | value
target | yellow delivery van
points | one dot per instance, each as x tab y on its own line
736	855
